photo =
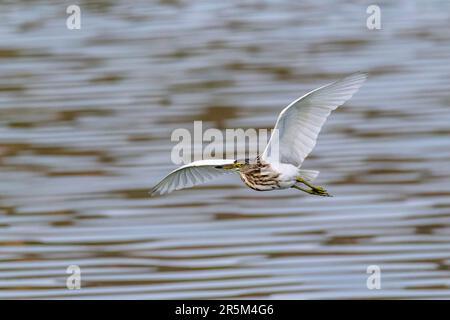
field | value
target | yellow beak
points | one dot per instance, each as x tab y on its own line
231	166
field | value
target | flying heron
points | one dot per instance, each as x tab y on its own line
297	128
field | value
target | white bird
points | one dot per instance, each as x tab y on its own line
297	128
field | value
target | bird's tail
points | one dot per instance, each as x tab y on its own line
308	175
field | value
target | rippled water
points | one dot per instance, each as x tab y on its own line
85	124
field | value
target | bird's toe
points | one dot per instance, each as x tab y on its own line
321	192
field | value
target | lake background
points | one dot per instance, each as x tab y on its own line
85	123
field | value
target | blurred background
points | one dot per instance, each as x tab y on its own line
85	123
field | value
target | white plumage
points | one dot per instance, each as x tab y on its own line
297	127
300	122
191	174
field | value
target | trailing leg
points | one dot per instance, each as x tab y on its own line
316	190
322	192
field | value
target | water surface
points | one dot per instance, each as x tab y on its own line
85	124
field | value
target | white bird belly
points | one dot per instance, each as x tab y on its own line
288	174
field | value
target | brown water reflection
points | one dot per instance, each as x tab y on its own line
86	118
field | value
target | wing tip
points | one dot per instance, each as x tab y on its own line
354	80
359	76
155	191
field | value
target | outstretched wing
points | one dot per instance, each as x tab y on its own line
191	175
299	124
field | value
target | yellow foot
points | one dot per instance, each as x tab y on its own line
319	191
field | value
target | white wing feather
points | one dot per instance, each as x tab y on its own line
191	175
300	122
